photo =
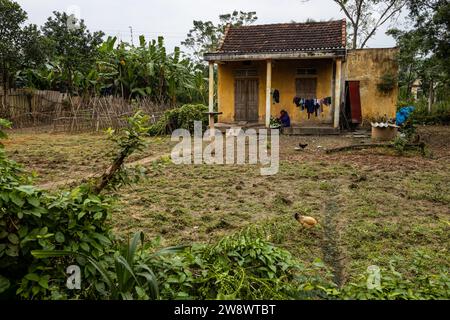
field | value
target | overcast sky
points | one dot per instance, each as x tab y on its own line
173	18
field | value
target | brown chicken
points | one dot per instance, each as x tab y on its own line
307	222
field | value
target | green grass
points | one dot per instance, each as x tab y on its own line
56	157
372	206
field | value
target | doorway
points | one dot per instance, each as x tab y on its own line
246	92
353	102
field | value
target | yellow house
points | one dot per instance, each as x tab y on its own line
304	69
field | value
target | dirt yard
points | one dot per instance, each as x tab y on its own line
373	205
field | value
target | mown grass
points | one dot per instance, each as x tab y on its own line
372	206
56	157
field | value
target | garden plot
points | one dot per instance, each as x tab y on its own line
374	207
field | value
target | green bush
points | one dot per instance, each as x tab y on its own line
75	221
181	118
387	83
240	266
412	284
440	112
127	277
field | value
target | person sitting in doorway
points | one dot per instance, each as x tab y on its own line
284	119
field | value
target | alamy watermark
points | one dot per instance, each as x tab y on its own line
74	17
374	277
238	147
74	279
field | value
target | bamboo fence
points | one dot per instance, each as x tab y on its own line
36	108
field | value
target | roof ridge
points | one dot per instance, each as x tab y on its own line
282	37
286	23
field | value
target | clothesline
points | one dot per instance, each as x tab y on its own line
312	105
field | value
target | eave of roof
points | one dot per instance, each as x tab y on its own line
282	55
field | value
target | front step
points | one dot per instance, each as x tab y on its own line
311	131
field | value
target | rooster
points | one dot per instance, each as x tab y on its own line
301	147
307	222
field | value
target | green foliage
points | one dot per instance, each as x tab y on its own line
130	138
149	71
65	56
127	278
244	267
72	46
424	48
400	286
241	266
400	144
387	83
74	221
274	122
20	46
180	118
439	115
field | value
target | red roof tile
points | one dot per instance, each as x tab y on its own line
284	37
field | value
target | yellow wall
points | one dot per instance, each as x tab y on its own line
283	79
364	65
368	66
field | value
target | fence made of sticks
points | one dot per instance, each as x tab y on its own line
36	108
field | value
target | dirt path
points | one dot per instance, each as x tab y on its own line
331	248
140	162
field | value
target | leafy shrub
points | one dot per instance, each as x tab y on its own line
440	112
400	144
240	266
127	277
180	118
387	83
398	286
75	221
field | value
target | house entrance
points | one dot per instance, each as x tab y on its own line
246	99
353	102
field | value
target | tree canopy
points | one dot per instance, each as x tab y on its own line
205	36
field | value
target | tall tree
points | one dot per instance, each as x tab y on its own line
20	46
410	59
74	46
205	36
425	47
365	17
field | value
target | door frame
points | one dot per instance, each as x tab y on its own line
353	107
256	78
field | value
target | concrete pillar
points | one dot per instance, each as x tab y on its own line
211	96
211	86
337	92
268	92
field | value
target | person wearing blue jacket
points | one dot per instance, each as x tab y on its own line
284	119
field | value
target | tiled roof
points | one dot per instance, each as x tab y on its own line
284	37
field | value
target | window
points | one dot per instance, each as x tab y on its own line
243	73
306	71
306	88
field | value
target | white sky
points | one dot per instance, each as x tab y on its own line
173	18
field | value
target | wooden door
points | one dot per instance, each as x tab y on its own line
246	99
355	101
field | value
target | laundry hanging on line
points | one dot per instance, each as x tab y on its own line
312	105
